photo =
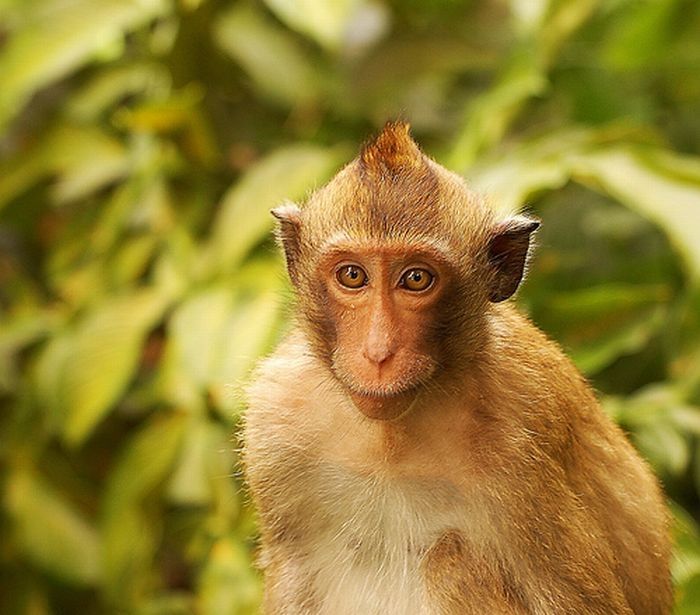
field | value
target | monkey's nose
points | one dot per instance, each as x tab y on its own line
378	354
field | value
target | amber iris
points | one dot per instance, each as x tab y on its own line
351	276
416	279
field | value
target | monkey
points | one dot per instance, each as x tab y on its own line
415	445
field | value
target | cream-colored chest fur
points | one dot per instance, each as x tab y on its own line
366	538
356	503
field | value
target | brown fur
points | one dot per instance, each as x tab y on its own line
434	452
465	581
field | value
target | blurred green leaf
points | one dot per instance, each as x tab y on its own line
82	160
600	323
203	473
665	447
687	418
662	423
325	22
529	14
672	203
18	332
144	462
114	85
247	336
490	115
215	339
48	379
684	337
129	532
686	536
51	531
105	351
169	604
196	330
257	44
83	371
228	583
244	218
59	40
688	597
562	20
190	481
642	36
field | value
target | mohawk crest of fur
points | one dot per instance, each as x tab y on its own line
392	150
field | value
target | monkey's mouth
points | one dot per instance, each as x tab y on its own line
384	407
378	391
383	400
382	392
376	388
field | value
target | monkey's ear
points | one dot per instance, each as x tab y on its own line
507	252
289	217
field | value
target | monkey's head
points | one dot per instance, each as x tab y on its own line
395	262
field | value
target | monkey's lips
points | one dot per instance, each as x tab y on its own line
382	392
383	407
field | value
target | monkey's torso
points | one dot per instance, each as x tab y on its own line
514	495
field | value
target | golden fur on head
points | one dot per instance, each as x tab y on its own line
391	150
392	191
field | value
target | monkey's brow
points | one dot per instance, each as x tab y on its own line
429	246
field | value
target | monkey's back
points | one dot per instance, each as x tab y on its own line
582	454
521	497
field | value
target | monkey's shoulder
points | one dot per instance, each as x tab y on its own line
533	368
281	392
289	373
539	387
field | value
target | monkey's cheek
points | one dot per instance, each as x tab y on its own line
383	408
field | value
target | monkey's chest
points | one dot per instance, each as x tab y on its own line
367	538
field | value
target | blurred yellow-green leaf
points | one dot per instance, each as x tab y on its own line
257	44
57	38
81	158
51	531
84	372
228	584
599	323
325	22
129	528
244	218
669	201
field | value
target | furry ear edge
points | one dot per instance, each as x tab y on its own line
508	250
288	216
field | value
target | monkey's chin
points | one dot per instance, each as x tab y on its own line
384	407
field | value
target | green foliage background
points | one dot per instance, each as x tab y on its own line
142	144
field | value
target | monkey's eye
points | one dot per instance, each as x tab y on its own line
351	276
416	279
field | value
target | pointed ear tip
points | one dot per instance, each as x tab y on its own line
527	219
526	223
520	223
287	212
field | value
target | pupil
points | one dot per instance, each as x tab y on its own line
353	273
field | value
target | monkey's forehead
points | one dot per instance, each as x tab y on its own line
432	202
434	248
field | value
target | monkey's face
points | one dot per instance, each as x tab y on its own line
394	262
382	306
